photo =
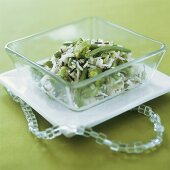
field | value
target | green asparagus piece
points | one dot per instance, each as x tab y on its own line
105	49
93	46
67	43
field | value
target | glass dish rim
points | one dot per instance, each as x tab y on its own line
101	75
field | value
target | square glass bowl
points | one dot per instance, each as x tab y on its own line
28	52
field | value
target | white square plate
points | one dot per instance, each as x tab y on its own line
57	114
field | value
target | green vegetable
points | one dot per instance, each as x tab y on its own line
67	43
49	64
119	61
89	91
94	72
84	74
105	49
81	47
63	72
57	54
105	57
93	46
129	71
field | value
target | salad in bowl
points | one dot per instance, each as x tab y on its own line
82	59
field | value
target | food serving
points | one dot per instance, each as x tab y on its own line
84	59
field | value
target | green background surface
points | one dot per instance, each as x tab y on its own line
20	150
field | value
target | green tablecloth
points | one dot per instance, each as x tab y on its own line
20	150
